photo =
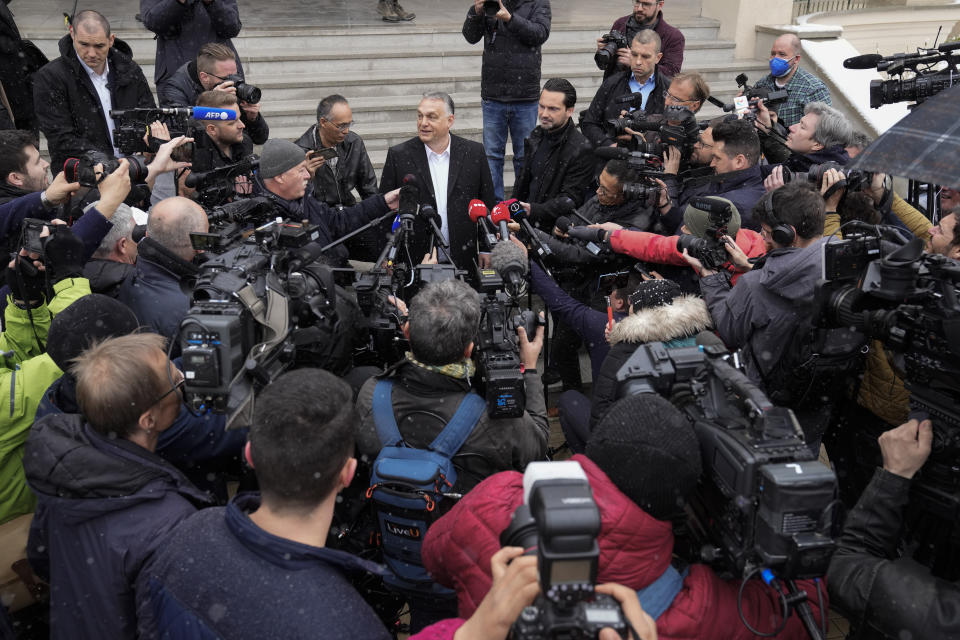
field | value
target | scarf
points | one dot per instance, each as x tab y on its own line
463	370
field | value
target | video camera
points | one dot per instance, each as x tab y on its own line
132	125
606	56
259	309
764	499
227	222
924	83
559	521
217	186
745	105
676	126
710	251
648	167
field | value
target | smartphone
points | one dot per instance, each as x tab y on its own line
327	153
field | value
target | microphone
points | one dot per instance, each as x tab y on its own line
612	153
587	234
499	216
409	196
477	211
197	113
868	61
519	214
510	262
563	223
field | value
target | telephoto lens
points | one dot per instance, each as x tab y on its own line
491	8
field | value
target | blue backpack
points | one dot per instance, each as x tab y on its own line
407	485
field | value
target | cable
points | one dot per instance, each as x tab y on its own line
823	614
743	619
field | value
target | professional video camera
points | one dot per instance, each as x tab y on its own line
676	126
259	309
745	105
228	221
559	521
83	169
606	56
131	126
765	499
710	251
924	82
649	167
217	186
907	299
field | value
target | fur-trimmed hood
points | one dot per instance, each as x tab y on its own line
687	316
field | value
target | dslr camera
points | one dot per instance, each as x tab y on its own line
83	169
559	522
856	179
245	92
709	250
606	56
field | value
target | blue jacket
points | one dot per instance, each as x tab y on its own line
221	576
104	506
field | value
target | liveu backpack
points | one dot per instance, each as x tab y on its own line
407	486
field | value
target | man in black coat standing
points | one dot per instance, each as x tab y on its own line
75	93
510	78
643	86
559	166
451	172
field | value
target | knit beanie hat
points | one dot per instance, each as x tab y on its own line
279	156
90	319
649	450
654	293
697	220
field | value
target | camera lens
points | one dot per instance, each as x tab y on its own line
521	532
491	8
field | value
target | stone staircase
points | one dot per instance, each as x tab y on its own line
383	72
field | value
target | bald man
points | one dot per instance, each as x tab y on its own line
75	93
785	73
165	258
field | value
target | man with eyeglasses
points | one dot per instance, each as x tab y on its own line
340	166
210	71
785	73
648	14
105	498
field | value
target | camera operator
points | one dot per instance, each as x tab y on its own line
643	86
642	463
882	594
347	169
74	94
822	135
802	86
83	467
558	169
647	14
435	375
284	179
215	69
774	301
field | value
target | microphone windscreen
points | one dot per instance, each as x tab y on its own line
563	223
611	153
476	210
411	180
868	61
500	213
213	113
507	257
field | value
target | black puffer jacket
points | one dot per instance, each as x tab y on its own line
335	185
68	107
182	88
884	596
511	50
424	402
605	105
567	172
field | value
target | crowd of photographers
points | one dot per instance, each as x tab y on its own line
264	395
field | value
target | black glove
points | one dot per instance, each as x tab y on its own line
587	234
26	283
63	255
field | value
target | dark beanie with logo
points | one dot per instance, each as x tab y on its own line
649	450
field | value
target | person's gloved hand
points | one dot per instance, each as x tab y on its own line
26	282
63	255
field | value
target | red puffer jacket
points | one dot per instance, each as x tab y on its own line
652	247
635	550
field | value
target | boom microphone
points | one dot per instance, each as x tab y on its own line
611	153
500	216
510	262
197	113
868	61
587	234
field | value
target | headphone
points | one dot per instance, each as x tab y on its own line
782	234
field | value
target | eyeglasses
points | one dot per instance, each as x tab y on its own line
602	190
343	128
667	94
703	144
175	387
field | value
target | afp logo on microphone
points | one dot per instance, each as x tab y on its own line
223	115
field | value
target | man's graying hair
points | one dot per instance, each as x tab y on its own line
444	318
123	224
833	128
440	95
326	105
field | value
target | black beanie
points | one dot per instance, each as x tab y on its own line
649	450
90	319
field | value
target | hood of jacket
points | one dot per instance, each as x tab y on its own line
635	547
87	475
686	316
793	273
106	275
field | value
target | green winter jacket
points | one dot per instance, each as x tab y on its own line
25	375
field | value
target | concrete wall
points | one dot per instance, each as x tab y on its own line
738	20
892	30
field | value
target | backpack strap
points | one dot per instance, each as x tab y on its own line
468	414
383	418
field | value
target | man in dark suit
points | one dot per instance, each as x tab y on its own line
451	171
